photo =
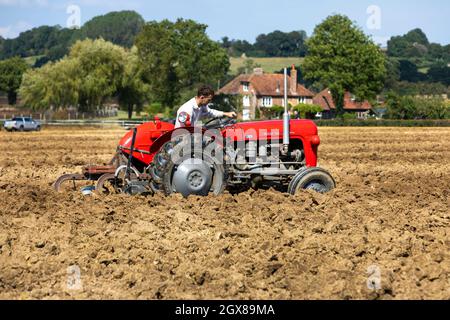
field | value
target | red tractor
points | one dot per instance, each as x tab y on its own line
221	155
199	160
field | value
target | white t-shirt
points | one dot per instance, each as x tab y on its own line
196	112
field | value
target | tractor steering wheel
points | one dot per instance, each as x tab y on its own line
218	123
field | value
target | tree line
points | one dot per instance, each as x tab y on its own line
274	44
416	66
52	43
168	59
163	63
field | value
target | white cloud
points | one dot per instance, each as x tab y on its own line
12	31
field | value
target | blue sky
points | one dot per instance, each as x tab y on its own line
244	19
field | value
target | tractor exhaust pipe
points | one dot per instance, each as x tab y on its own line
286	117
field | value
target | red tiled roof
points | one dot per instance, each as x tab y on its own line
265	85
325	100
233	87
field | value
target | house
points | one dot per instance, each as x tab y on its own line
351	105
264	90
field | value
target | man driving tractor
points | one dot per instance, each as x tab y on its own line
197	108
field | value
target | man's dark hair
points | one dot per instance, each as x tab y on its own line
205	91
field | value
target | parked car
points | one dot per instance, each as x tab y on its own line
22	124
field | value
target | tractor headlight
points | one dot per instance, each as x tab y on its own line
183	117
315	140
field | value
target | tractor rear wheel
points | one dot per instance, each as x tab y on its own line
192	173
316	179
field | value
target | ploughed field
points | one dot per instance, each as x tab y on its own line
384	233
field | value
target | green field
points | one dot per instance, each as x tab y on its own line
269	65
424	70
32	60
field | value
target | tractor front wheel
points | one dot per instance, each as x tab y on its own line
316	179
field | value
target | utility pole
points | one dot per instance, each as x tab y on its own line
286	117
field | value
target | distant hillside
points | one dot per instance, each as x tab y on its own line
414	59
52	43
269	65
273	44
118	27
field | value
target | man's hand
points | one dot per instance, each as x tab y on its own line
230	114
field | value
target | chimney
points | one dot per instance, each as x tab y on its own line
293	83
258	71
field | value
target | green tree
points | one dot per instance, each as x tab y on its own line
307	111
119	28
399	107
101	68
2	41
409	107
178	56
55	85
274	112
392	72
282	44
434	107
343	58
439	73
154	108
409	72
413	44
53	43
91	73
273	44
420	88
11	72
236	48
133	92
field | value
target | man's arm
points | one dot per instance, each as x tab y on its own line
219	114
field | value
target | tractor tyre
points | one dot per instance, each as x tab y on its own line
177	168
316	179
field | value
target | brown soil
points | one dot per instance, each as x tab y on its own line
390	213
